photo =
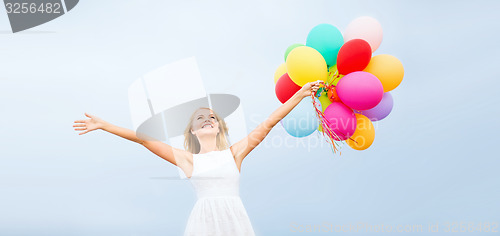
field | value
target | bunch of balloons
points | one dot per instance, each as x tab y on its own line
356	85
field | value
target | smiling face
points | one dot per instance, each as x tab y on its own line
204	123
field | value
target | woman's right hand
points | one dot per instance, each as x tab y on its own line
88	125
309	88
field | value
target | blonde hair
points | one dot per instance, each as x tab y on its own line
191	143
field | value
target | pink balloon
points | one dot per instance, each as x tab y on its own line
342	120
367	28
360	90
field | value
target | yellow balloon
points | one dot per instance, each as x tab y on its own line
336	81
304	64
325	102
279	72
333	69
333	75
388	69
364	134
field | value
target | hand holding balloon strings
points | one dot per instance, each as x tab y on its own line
311	88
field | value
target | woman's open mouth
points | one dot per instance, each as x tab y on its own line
207	125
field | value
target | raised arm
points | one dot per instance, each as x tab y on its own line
242	148
163	150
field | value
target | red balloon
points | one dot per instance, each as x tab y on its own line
285	88
354	55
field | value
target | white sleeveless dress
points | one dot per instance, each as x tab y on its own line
219	210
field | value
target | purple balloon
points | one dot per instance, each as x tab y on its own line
360	90
380	111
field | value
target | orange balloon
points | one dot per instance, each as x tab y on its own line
332	95
363	135
388	69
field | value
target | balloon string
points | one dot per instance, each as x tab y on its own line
328	133
332	77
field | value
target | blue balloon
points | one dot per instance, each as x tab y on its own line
327	40
302	120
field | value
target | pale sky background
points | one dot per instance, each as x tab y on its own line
433	160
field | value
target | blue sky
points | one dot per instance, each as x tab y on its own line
433	159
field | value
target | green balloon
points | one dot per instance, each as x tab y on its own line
327	39
291	47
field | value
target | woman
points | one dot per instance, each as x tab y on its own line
212	167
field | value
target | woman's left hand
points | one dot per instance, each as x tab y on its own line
309	88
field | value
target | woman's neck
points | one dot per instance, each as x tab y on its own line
208	145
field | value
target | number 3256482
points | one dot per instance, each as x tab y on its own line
24	8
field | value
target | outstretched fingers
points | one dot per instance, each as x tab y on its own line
84	132
80	125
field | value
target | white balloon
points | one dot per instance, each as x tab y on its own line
367	28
